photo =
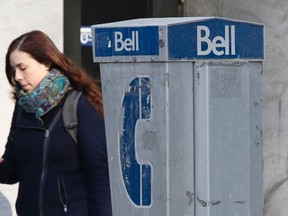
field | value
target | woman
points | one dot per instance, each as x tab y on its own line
56	176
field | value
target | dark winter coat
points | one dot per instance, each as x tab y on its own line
54	173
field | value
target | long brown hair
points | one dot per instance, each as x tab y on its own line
42	49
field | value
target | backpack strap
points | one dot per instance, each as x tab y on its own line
69	113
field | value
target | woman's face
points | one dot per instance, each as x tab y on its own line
28	72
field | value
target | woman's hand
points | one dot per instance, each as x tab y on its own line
1	160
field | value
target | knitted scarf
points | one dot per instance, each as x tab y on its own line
46	95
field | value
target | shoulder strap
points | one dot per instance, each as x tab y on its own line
70	113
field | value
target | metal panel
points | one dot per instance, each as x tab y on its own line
150	143
149	138
181	139
228	139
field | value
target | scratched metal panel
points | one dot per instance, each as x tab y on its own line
228	139
146	139
181	139
150	141
256	138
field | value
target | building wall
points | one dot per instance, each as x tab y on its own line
18	17
275	87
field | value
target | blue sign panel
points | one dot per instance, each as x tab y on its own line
126	41
216	39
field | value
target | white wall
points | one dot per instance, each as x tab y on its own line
16	18
275	87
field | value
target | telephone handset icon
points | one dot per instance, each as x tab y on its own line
136	176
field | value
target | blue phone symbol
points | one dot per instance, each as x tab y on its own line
136	177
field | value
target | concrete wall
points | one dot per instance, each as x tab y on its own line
16	18
275	87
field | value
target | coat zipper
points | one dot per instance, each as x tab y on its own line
45	161
63	194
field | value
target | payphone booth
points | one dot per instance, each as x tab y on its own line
183	114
